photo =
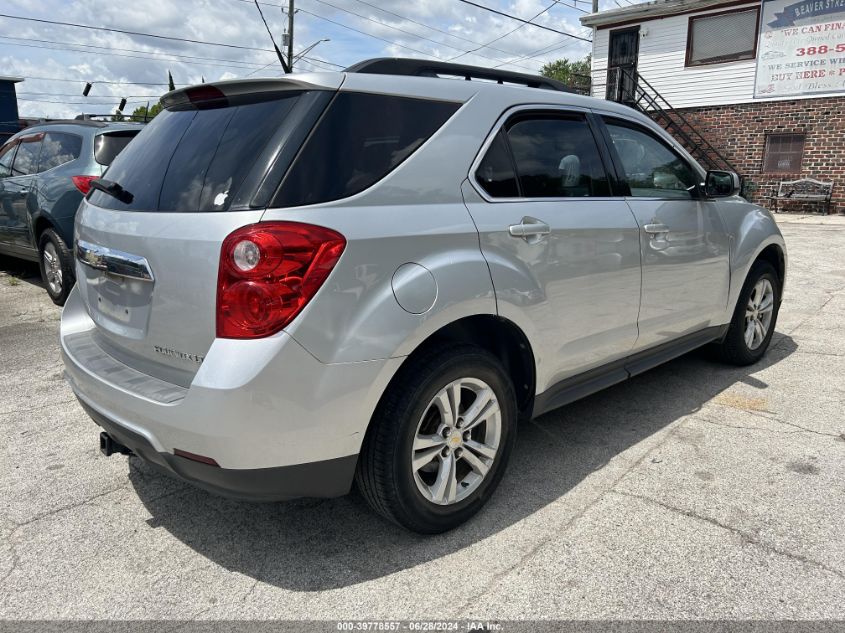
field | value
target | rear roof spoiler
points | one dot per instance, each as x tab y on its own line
224	90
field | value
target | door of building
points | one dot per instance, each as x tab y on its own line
623	51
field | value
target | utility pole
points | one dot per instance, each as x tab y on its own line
595	6
290	34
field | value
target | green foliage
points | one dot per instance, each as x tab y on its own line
572	73
118	116
141	113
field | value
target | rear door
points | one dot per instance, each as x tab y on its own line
563	250
148	252
685	248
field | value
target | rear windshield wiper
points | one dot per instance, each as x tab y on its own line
113	189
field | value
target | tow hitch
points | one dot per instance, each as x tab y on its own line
109	447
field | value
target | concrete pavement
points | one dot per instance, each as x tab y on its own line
695	490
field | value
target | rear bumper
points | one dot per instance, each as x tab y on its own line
329	478
279	422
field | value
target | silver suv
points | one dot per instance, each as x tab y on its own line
285	286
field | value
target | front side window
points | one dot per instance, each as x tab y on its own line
556	157
652	169
359	140
59	148
723	37
7	155
784	153
26	160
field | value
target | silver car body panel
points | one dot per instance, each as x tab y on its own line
308	393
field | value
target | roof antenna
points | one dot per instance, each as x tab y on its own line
285	66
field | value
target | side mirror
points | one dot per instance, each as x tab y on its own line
721	184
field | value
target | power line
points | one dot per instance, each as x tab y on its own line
501	37
97	81
128	50
139	33
149	58
401	30
513	17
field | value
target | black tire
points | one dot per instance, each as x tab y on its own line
51	241
385	476
734	349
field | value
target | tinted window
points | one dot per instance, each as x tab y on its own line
7	155
359	140
110	144
556	157
59	148
495	172
195	159
651	167
26	160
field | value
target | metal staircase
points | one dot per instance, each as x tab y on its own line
626	85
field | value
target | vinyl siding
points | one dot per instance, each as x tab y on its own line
661	63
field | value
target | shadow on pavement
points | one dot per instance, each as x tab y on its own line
22	270
312	545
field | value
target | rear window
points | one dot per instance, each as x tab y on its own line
195	159
108	145
360	139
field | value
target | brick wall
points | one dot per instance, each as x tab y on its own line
739	133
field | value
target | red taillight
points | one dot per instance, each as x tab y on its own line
268	272
83	183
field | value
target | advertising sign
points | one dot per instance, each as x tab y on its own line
801	50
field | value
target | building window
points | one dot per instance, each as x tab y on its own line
722	37
783	153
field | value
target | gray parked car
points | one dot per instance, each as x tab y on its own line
44	172
287	285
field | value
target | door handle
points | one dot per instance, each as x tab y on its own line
655	229
530	229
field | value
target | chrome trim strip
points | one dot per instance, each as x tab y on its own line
113	261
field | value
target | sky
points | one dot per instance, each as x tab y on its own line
58	60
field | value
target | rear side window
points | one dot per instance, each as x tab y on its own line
190	159
360	139
109	144
26	160
556	157
59	148
495	173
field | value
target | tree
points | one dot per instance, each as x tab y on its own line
572	73
118	116
142	114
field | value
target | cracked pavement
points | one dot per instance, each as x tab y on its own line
695	490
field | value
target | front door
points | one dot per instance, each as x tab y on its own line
685	248
563	251
623	50
18	190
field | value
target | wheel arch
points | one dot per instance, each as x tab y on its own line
499	336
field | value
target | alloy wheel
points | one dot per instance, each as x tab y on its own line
52	268
456	441
758	313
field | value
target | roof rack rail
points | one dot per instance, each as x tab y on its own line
427	68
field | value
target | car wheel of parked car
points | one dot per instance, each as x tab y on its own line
754	318
440	439
56	266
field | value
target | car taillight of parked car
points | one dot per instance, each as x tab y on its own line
269	272
83	183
